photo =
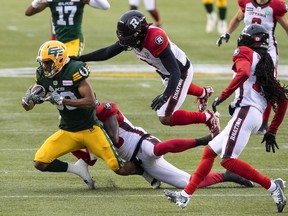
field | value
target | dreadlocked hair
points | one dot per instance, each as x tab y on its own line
269	86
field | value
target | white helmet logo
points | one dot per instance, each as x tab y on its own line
134	23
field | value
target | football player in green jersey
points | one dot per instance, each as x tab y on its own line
67	18
67	86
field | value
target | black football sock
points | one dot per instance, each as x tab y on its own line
57	166
203	140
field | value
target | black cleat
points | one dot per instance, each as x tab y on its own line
232	177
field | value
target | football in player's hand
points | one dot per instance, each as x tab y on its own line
38	90
38	93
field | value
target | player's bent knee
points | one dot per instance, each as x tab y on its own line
40	166
165	120
227	163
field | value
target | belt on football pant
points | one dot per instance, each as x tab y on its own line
138	145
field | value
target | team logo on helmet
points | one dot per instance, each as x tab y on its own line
134	23
159	40
55	51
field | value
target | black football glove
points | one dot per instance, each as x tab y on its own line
231	110
158	101
225	37
270	141
215	103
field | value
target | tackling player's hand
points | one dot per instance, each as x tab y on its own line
270	141
158	101
215	103
225	37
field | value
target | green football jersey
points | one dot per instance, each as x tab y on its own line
72	118
67	19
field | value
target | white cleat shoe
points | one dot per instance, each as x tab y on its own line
211	22
278	194
84	173
222	27
176	197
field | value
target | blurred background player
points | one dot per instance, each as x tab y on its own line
67	16
212	17
150	6
53	33
255	11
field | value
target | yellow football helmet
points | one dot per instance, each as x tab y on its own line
52	56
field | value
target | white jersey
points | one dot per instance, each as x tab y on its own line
154	43
248	94
249	103
265	15
129	136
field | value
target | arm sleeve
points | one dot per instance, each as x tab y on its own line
168	60
278	117
102	54
242	68
100	4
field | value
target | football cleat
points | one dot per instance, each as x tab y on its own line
203	101
84	173
176	197
233	177
211	22
278	194
213	123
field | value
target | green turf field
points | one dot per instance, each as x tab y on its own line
26	191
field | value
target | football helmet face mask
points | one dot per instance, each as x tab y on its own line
254	36
131	29
52	56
